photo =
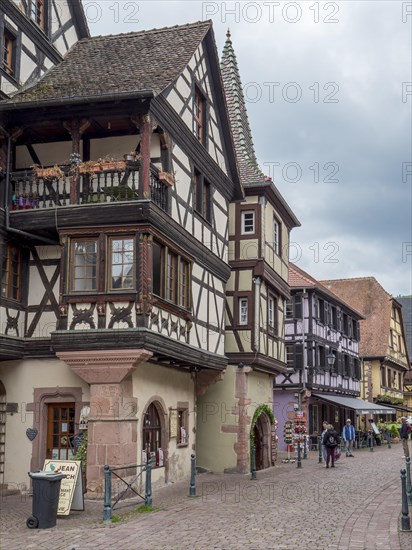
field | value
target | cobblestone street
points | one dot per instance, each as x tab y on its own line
355	506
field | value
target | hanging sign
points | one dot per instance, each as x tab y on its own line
71	487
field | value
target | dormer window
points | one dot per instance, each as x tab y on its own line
248	222
199	116
276	236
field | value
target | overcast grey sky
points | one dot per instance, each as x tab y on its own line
328	87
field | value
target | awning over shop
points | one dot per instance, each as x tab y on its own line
358	405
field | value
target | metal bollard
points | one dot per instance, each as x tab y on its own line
371	443
389	440
405	520
192	488
305	449
107	509
408	481
253	472
148	492
320	450
299	462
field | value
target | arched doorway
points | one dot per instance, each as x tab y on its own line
261	441
2	432
154	436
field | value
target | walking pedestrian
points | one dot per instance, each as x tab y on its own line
331	441
325	429
405	429
348	437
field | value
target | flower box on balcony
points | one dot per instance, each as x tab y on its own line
91	166
167	178
119	165
48	173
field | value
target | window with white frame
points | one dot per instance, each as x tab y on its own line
122	263
272	314
243	311
276	236
248	223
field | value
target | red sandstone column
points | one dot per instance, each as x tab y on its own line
112	427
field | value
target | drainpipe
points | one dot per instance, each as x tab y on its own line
6	200
262	202
304	351
257	281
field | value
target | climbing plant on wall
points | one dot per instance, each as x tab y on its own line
263	408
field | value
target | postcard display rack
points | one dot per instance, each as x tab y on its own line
288	433
300	430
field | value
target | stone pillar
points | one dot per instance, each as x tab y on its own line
112	427
242	447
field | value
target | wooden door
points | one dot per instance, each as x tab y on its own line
60	431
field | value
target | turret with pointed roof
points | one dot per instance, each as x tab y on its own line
250	172
249	168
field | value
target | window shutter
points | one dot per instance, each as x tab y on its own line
340	363
298	306
299	356
339	320
351	369
355	330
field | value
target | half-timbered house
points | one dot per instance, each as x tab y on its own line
239	407
383	345
114	250
322	350
35	35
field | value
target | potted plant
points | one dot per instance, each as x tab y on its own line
81	454
132	156
168	178
394	434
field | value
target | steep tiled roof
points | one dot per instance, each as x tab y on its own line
146	60
300	279
250	172
367	296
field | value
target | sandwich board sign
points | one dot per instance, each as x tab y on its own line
71	487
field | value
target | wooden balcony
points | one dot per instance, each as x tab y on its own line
119	182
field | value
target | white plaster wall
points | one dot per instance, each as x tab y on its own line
113	147
19	379
215	449
151	381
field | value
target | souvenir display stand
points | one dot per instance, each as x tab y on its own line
288	433
300	430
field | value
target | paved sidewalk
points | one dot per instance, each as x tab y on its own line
354	506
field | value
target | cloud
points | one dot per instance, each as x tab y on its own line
361	61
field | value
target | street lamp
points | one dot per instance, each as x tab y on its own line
330	359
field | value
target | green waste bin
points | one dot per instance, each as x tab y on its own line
46	490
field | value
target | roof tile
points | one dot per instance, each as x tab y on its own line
145	60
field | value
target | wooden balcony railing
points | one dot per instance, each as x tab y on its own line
34	191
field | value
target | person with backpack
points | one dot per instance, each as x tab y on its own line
325	426
349	437
331	441
404	433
